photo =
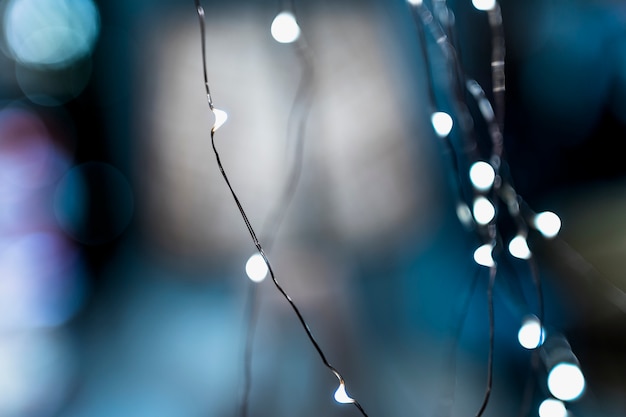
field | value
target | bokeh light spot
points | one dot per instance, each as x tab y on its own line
548	224
552	408
284	28
94	203
256	268
566	381
442	123
531	334
51	33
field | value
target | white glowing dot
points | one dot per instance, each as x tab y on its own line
552	408
482	175
415	2
518	247
51	33
483	257
341	396
442	123
483	210
531	334
484	4
464	214
566	381
256	268
548	224
284	28
220	118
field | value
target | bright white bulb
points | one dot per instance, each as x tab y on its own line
484	5
483	210
531	334
220	118
483	256
518	247
482	175
566	381
548	224
415	2
552	408
442	123
341	396
256	268
284	28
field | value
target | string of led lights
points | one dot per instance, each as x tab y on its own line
490	185
341	394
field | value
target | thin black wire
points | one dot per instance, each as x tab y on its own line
498	51
251	231
488	388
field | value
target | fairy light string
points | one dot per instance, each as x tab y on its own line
491	185
341	393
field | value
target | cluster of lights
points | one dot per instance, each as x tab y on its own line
565	379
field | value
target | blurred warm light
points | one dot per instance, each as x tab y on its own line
484	5
552	408
483	255
518	247
442	123
220	118
483	210
284	28
256	268
566	381
341	396
531	334
482	175
548	223
50	33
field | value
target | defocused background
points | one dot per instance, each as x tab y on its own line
122	286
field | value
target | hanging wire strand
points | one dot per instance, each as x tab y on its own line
251	231
492	326
295	131
498	52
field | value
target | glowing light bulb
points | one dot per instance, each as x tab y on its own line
484	5
531	334
415	2
482	175
483	256
256	268
548	224
483	210
518	247
464	214
220	118
341	396
442	123
566	381
284	28
552	408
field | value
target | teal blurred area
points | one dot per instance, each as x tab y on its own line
123	289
